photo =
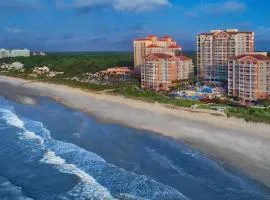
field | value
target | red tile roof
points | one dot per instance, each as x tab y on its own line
166	36
166	56
142	39
256	56
174	46
151	36
160	55
184	58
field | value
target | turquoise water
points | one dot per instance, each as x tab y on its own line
48	151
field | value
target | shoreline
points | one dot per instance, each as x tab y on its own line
243	145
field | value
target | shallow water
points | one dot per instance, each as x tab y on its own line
48	151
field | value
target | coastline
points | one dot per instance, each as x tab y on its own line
244	145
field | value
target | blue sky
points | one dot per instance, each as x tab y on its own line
108	25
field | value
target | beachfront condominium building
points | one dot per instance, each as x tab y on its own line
20	53
249	77
214	49
161	71
152	44
14	53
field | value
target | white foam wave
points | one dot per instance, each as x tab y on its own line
87	188
63	148
13	120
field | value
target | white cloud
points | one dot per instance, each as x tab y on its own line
225	7
13	30
119	5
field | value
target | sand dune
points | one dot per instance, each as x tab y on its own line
245	145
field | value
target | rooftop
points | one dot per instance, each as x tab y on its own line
174	46
160	55
149	37
184	58
142	39
231	32
256	56
166	56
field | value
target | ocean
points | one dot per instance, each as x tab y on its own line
49	151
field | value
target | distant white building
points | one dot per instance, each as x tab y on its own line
14	53
20	53
4	53
38	54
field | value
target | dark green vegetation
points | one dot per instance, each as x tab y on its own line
74	64
250	114
193	56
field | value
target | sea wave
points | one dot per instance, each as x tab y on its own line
105	182
88	187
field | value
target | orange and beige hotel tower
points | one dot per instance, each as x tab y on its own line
160	62
249	77
152	44
161	71
214	49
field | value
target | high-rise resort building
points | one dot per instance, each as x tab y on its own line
249	77
161	71
152	44
214	49
14	53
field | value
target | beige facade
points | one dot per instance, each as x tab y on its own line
214	49
161	71
116	71
249	77
152	44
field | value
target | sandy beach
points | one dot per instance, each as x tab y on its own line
245	146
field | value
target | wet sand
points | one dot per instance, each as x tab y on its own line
243	145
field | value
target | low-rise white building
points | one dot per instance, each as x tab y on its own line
46	71
41	70
14	66
38	54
